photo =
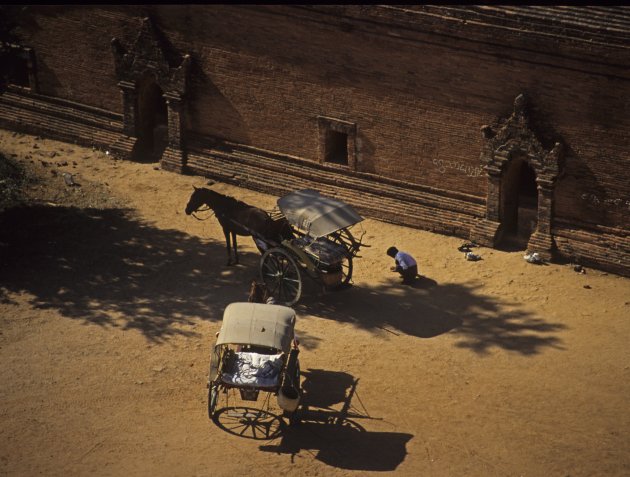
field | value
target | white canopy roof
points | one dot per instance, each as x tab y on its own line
258	324
316	214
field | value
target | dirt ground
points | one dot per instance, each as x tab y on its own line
110	297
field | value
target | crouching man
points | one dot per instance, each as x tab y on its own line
405	265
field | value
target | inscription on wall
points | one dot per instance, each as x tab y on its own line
459	166
597	203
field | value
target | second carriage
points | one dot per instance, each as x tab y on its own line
322	248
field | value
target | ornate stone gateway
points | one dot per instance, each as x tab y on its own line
515	142
154	99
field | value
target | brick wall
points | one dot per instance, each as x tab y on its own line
418	106
262	75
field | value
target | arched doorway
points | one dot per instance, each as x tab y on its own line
519	203
521	180
154	98
152	125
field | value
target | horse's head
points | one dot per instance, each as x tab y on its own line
202	196
196	200
257	292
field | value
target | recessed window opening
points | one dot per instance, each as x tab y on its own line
19	67
18	70
337	147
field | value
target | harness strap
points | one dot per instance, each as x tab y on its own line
202	210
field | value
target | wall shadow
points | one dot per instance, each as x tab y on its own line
109	268
428	309
336	436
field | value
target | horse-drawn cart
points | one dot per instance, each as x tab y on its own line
256	351
322	247
308	234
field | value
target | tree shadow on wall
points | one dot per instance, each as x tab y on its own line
429	309
225	122
577	182
107	267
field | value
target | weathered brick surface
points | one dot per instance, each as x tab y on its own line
418	88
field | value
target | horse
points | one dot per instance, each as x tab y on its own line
238	218
258	293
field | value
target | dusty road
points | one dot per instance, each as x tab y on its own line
110	297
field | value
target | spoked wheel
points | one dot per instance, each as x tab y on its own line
281	274
346	272
249	423
346	265
213	397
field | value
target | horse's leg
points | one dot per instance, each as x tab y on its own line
227	245
235	247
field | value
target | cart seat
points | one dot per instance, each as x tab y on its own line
322	249
253	369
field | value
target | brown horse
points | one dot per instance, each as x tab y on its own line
258	293
239	218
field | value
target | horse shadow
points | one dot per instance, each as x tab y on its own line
336	436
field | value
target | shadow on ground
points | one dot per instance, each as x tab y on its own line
330	430
110	268
428	309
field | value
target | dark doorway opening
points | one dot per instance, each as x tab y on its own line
519	204
336	147
18	71
152	121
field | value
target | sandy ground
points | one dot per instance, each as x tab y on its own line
110	297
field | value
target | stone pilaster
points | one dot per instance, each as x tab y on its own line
174	157
541	240
129	95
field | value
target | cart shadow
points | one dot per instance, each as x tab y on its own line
336	436
427	309
109	268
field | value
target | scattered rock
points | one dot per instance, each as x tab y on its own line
588	287
69	180
471	257
533	258
62	164
579	269
35	146
52	154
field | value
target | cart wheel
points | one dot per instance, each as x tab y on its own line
214	364
281	274
346	271
346	265
213	397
